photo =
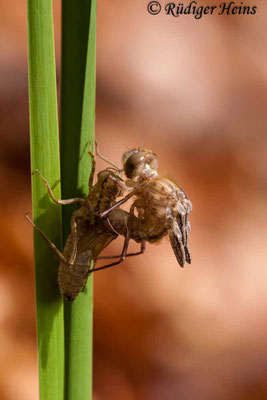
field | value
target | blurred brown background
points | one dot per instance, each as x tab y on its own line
194	92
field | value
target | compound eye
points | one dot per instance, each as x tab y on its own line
128	154
134	163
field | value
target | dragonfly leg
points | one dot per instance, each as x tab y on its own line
104	158
52	246
120	202
74	236
122	257
125	245
51	194
71	262
122	185
141	251
92	174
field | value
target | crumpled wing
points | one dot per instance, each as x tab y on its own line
179	239
186	231
178	248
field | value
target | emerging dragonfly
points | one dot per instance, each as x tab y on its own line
89	233
162	207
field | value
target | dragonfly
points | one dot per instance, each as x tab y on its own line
162	207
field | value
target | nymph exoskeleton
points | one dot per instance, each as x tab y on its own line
162	207
89	233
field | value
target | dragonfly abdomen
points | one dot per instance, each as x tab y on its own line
72	278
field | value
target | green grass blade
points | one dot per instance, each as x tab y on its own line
47	215
77	125
75	26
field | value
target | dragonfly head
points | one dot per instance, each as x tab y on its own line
139	164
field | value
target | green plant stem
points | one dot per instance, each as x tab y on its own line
47	215
77	130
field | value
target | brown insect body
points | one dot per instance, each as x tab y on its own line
90	234
162	207
93	235
92	238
